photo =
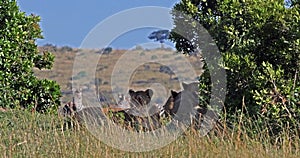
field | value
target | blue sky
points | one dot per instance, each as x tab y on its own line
67	22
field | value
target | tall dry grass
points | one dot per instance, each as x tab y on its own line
24	134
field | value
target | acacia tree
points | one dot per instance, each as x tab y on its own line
160	35
259	42
18	56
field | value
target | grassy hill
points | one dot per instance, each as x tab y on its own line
146	74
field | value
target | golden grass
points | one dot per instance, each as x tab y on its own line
25	134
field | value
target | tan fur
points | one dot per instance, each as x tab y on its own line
169	106
112	109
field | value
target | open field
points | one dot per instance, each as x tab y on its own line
24	134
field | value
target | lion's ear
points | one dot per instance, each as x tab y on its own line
149	92
131	92
185	86
174	93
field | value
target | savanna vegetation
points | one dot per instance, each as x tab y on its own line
20	88
259	42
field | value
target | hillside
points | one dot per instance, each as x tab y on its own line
142	68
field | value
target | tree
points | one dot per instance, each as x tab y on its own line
260	43
167	70
107	50
18	56
160	35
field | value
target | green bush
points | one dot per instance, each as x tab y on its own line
66	49
139	47
260	45
153	57
278	98
142	54
18	56
107	50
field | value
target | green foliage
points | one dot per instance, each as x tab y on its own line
142	54
18	55
139	47
278	99
118	117
66	49
80	75
107	50
204	88
260	45
153	57
44	61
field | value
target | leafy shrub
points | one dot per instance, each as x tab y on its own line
82	74
139	47
153	57
47	94
66	49
107	50
142	54
50	47
260	45
278	99
18	55
79	75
